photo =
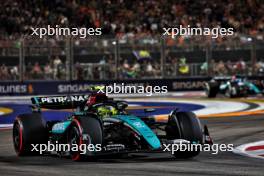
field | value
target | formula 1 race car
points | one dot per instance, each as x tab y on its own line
235	86
104	123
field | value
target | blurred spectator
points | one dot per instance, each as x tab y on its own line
48	72
240	66
204	68
4	74
149	69
136	68
183	67
36	71
14	73
260	67
126	66
102	68
79	72
230	67
125	70
57	66
220	68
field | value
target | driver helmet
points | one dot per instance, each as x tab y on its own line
106	111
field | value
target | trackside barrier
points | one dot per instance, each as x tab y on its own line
66	87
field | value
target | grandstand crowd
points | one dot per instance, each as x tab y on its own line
128	20
55	70
131	18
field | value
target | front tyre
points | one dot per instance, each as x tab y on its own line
84	132
186	126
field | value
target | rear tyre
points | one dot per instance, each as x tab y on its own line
85	131
185	125
28	129
211	89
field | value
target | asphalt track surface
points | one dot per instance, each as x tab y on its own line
233	130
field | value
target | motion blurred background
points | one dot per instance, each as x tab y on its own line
132	45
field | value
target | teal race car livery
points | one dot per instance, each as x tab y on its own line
105	123
235	86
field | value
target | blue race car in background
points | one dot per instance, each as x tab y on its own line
235	86
104	123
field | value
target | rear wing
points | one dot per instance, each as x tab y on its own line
225	78
60	102
221	78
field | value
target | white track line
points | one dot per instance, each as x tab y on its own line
6	125
212	106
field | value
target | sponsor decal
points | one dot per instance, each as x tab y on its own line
16	89
74	88
60	127
63	99
5	89
188	85
139	125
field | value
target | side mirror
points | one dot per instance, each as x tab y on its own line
122	105
149	110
